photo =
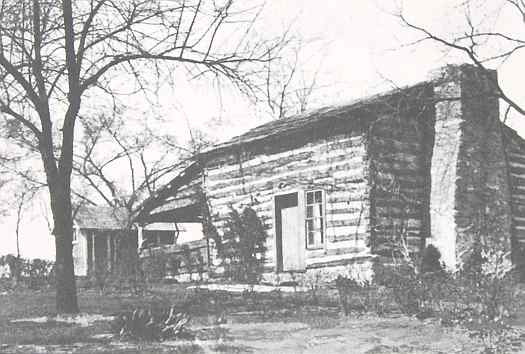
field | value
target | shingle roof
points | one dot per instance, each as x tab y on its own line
313	118
102	218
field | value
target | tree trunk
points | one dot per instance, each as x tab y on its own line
66	294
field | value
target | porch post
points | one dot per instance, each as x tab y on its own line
93	248
139	237
108	251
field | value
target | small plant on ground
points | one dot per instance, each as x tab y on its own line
361	296
152	325
313	281
415	284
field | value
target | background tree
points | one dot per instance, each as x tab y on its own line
289	88
17	189
57	57
483	37
122	166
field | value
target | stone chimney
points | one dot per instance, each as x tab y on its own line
470	193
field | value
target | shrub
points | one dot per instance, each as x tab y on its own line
38	273
430	260
187	259
408	288
243	246
33	273
174	264
154	267
127	273
479	296
486	283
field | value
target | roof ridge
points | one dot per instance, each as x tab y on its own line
267	129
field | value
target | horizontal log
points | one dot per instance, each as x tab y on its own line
324	149
347	222
351	237
347	230
517	159
300	182
517	169
343	215
337	175
386	178
518	221
517	181
411	194
265	173
397	214
360	242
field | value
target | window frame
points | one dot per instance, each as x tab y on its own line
322	243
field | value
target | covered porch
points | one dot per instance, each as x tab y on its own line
170	227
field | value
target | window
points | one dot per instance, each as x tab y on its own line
314	219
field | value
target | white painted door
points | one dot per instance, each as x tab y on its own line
293	248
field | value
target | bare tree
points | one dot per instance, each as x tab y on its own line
122	168
17	191
480	39
289	88
23	196
58	56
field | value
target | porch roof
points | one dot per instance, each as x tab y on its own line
178	201
101	218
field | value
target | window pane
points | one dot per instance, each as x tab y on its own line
311	238
318	210
317	238
309	224
318	197
309	197
317	224
309	211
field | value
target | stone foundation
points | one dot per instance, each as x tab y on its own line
360	270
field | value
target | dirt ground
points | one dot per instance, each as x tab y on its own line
343	335
298	329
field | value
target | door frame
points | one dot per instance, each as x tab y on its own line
301	215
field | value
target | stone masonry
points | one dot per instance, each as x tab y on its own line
470	194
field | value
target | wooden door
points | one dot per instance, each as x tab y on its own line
289	235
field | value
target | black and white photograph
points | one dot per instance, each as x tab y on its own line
262	176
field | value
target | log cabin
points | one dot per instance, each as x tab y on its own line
339	187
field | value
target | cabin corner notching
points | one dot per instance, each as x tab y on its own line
341	186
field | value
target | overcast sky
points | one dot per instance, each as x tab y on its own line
356	48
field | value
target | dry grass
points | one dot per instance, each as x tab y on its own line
254	323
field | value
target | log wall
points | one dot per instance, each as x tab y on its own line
335	164
515	153
400	152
